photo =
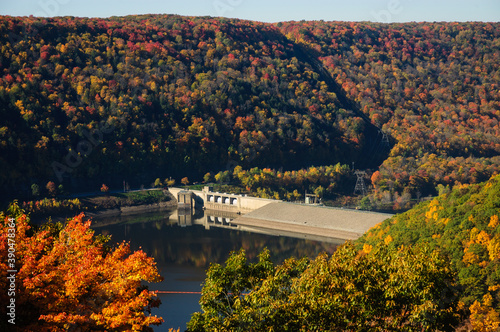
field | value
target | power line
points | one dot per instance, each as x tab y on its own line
176	292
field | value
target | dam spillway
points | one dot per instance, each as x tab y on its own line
209	200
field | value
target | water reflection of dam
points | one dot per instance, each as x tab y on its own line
206	218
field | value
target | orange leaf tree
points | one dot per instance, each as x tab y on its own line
67	278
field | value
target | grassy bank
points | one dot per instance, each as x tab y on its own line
65	206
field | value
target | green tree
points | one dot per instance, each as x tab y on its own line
366	204
223	177
319	191
208	177
224	289
408	289
157	183
35	189
60	189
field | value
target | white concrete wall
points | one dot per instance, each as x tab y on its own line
253	203
174	191
242	204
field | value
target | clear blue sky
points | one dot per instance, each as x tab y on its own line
268	10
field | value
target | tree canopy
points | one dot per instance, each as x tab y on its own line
140	97
68	278
463	225
409	289
435	267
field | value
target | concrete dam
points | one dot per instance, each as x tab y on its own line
281	218
209	200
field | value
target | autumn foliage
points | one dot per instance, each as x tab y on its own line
67	278
183	96
289	185
464	225
410	289
432	86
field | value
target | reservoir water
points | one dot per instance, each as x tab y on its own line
184	246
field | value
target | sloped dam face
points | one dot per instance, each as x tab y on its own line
321	221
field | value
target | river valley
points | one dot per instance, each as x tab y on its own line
185	246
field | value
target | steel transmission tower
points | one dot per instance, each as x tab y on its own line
360	183
385	138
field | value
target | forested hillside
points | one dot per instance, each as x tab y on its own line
135	98
433	87
464	225
181	95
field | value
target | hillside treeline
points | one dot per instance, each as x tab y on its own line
434	268
433	86
176	96
135	98
464	226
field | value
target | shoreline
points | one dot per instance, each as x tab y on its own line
277	217
133	209
110	212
